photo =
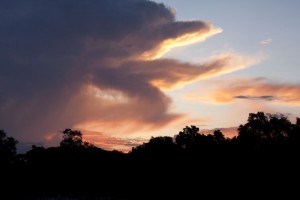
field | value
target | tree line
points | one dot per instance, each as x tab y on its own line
263	157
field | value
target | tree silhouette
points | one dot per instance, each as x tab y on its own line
262	129
73	138
218	136
187	137
294	135
266	126
266	152
298	121
157	146
8	148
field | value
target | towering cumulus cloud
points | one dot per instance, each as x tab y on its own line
67	63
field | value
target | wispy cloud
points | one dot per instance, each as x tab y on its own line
266	41
257	89
168	74
267	98
109	142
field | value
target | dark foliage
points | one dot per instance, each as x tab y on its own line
7	149
262	161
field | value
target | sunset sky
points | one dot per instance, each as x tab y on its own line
125	70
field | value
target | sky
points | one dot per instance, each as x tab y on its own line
122	71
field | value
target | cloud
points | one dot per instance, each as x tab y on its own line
257	89
169	73
266	41
92	63
267	97
183	39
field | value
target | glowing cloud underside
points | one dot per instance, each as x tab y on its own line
182	40
168	74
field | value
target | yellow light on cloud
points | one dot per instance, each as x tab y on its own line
182	40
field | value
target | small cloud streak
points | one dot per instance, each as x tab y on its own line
266	41
267	98
257	89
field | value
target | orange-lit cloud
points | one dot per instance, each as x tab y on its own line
187	38
99	139
257	89
167	74
109	142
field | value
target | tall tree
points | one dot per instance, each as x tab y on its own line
187	137
265	128
218	136
156	146
73	138
8	148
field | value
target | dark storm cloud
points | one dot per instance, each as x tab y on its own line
62	59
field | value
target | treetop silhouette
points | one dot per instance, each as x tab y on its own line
73	139
8	148
265	151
